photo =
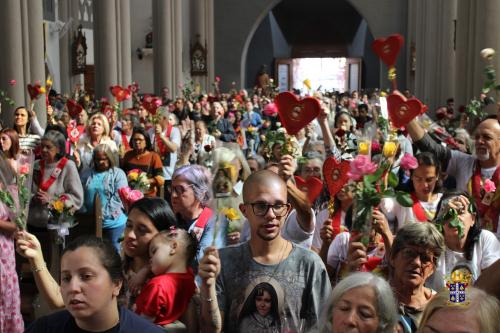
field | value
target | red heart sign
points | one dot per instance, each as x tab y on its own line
74	133
295	114
34	91
402	110
151	103
120	93
134	87
312	186
73	108
388	48
335	174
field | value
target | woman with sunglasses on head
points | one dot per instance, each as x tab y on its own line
466	243
143	157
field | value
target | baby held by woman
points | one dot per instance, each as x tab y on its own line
165	297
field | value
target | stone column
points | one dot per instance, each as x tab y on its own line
105	48
64	49
477	28
37	56
11	61
126	48
74	12
435	69
26	47
202	19
162	46
177	50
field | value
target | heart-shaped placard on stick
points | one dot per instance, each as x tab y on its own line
151	104
335	174
296	113
402	110
73	108
120	93
312	186
388	48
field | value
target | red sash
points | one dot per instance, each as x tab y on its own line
162	148
476	185
418	210
201	222
336	222
125	142
57	171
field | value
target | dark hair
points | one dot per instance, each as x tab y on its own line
58	128
142	131
475	229
157	210
249	306
428	159
342	113
28	124
363	106
106	252
188	238
14	137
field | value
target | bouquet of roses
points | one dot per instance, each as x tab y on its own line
138	180
16	197
373	181
61	216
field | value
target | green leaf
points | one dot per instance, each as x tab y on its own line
485	90
389	193
393	180
404	199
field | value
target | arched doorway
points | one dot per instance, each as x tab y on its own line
318	30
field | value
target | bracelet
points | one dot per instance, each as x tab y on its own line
36	269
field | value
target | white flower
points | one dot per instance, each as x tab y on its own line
488	53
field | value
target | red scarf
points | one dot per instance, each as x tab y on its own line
57	171
125	142
493	209
418	210
201	222
162	148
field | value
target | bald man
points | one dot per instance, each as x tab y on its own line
470	171
265	282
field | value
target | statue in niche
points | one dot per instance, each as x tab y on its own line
79	52
262	80
198	59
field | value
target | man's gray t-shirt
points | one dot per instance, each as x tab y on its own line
299	287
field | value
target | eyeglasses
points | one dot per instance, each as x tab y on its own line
179	189
261	208
410	254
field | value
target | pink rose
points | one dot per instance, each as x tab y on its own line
63	197
408	162
361	166
489	186
24	169
12	82
134	195
217	79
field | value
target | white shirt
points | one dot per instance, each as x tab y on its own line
486	252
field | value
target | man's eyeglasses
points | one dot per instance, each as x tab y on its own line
179	189
261	208
410	254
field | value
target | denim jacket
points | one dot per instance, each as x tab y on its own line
114	179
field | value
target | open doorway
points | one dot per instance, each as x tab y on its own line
339	74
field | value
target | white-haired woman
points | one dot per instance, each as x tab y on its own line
97	132
363	303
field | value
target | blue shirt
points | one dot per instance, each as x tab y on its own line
106	184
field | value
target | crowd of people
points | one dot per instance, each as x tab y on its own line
205	226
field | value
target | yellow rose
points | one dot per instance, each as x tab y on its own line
133	176
42	90
364	148
390	149
58	206
232	214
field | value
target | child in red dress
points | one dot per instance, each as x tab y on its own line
165	297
